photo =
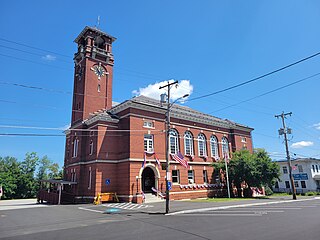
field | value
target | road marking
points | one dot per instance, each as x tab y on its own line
126	206
276	208
225	215
90	210
239	206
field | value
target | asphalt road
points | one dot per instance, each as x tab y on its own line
294	220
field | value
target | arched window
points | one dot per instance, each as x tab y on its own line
188	144
202	145
225	147
173	141
75	147
214	147
91	147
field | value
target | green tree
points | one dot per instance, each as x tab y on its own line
255	169
27	183
48	169
21	179
9	175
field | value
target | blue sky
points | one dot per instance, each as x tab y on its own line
211	44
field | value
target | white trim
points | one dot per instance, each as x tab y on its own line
132	160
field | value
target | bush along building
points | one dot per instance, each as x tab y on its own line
305	173
122	147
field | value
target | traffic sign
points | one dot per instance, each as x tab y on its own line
108	181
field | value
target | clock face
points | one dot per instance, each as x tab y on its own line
98	70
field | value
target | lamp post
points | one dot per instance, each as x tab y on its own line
169	105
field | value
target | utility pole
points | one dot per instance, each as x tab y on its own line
168	176
284	131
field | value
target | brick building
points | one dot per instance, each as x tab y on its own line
107	143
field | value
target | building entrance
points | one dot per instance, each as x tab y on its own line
148	180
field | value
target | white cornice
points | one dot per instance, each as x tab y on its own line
132	160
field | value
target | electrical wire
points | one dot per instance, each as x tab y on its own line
256	78
271	91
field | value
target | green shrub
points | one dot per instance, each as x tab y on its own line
268	191
310	193
303	194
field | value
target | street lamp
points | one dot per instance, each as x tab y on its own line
168	176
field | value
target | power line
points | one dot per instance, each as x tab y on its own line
257	78
35	54
30	61
142	74
36	48
266	93
31	135
34	87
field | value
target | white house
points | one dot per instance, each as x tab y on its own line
305	172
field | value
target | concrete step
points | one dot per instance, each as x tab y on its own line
150	198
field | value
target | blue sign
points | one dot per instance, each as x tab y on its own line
304	176
108	181
296	176
300	176
169	185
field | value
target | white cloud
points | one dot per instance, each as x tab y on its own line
302	144
153	91
49	57
316	126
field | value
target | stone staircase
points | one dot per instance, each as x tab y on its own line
150	198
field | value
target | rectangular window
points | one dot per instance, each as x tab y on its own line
148	143
148	124
300	168
89	178
190	176
285	170
243	139
175	176
317	169
296	183
303	184
205	176
276	185
91	148
287	184
75	148
313	168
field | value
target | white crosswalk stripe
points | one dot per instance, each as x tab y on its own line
127	206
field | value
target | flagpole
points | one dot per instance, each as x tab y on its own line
225	162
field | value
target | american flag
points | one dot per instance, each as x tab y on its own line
226	156
144	160
157	159
179	158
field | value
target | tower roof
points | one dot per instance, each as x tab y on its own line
94	30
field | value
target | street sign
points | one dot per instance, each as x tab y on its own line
300	176
108	181
169	185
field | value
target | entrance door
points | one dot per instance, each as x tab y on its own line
148	180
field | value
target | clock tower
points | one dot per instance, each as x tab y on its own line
92	73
